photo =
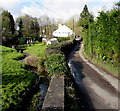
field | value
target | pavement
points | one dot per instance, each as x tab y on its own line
97	89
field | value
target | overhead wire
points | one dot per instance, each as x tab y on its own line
45	7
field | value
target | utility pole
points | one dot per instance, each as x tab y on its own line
73	29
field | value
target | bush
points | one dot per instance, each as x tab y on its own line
32	61
16	81
63	39
64	47
56	65
55	53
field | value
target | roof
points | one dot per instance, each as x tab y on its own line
62	31
63	28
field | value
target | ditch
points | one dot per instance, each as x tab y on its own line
35	98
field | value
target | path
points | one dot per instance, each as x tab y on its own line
95	90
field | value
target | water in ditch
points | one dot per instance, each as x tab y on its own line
37	96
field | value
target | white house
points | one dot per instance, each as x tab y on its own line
62	31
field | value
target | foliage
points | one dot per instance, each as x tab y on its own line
72	102
101	39
8	28
20	25
86	18
56	60
63	39
63	47
10	53
47	25
33	105
74	25
28	27
56	65
16	81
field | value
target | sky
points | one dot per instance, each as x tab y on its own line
58	9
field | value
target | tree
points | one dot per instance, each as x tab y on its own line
8	28
47	25
28	28
34	27
85	17
71	23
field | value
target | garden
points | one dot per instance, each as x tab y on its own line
16	80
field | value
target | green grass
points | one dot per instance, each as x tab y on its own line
37	50
108	66
16	81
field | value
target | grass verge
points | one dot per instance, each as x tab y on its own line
110	68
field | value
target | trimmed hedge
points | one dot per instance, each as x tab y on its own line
56	55
63	39
56	65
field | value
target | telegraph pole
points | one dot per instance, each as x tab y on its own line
73	29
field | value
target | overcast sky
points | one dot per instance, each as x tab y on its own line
62	9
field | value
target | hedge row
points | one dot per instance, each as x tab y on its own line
63	39
56	57
101	39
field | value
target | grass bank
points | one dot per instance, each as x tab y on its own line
108	67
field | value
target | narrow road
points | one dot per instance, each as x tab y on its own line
95	91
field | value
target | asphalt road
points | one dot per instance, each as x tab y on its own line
94	90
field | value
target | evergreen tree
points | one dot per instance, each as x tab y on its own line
28	28
20	24
8	28
85	17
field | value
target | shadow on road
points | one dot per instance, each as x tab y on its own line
76	67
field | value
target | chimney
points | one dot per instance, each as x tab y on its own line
59	25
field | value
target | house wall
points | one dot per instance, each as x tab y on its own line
62	31
61	34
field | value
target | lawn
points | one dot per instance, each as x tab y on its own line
37	50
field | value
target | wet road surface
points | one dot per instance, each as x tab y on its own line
94	90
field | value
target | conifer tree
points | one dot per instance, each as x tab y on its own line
8	27
85	17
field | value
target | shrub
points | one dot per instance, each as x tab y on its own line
16	81
55	54
56	65
64	47
44	42
32	61
63	39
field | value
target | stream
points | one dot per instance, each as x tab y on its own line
42	85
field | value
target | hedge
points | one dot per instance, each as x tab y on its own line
101	39
56	55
